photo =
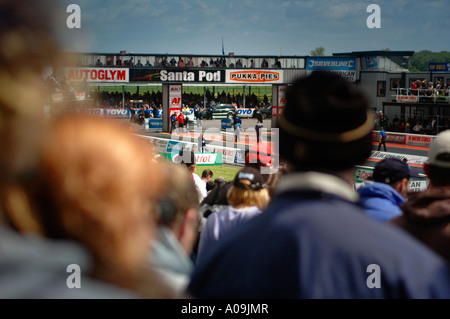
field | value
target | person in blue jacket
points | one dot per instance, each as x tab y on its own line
382	198
313	240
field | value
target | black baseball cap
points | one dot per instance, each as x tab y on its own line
391	170
250	174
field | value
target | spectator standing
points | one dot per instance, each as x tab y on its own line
258	128
32	266
173	122
383	135
382	198
264	64
426	215
180	119
237	132
313	240
207	175
181	63
247	197
187	158
177	231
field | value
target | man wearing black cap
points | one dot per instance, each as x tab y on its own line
382	198
313	240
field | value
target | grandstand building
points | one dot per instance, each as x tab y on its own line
250	80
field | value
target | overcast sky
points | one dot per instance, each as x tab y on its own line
255	27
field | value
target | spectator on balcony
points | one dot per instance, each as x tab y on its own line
173	62
418	128
277	63
238	63
181	63
264	64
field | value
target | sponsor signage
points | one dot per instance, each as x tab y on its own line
177	75
155	124
281	101
439	67
174	98
364	173
225	123
395	138
57	97
80	96
200	158
245	112
346	67
118	113
97	75
407	98
419	140
253	76
412	159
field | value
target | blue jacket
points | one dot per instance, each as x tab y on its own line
380	201
313	244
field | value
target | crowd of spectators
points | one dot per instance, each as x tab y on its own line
431	125
428	90
89	211
180	62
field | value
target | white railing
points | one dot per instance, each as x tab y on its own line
422	95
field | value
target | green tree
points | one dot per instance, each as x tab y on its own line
420	60
320	51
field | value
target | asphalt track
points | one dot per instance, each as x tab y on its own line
207	125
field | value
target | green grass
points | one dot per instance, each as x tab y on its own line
228	173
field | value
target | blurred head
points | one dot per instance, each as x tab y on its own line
248	189
27	46
92	186
178	206
395	173
437	167
326	124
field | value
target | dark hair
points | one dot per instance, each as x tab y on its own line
439	176
210	185
326	124
207	172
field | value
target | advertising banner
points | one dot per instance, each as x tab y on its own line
419	140
407	98
117	113
183	75
245	112
174	98
346	67
253	76
412	159
155	124
439	67
281	101
364	173
112	75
